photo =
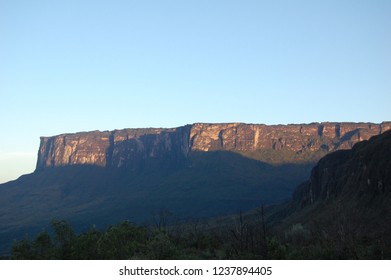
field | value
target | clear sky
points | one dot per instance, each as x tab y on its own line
78	65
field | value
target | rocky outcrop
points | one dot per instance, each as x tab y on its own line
129	147
365	170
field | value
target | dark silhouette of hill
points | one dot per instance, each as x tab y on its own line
344	209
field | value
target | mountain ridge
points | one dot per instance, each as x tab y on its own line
121	148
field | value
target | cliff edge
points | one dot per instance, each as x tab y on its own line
269	143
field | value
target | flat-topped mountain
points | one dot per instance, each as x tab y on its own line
194	171
269	143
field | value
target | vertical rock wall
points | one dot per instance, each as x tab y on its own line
129	147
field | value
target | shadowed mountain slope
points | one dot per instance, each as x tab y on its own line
345	207
207	185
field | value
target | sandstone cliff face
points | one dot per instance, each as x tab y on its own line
129	147
119	148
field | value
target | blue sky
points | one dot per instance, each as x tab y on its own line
68	66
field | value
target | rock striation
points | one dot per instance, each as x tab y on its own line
129	147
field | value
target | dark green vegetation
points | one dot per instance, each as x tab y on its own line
204	186
240	236
123	241
194	240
